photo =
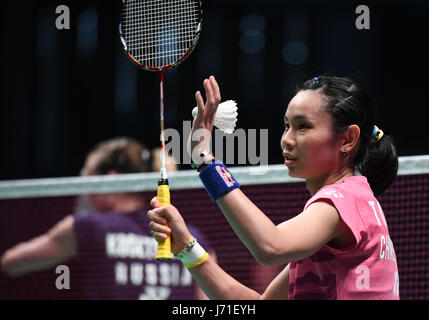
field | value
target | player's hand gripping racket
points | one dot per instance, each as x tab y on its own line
158	35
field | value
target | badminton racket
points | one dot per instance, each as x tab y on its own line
157	35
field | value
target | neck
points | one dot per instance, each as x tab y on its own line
314	185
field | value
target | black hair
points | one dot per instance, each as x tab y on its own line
122	154
348	103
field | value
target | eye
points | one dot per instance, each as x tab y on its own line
287	126
303	126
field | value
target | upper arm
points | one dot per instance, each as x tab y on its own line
44	251
303	235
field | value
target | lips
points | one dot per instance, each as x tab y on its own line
289	158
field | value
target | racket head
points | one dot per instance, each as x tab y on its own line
160	34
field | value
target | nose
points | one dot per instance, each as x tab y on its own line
288	140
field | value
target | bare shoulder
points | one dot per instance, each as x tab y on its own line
341	235
324	210
316	215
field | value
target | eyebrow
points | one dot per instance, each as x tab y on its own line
298	117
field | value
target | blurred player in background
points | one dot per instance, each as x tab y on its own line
113	243
170	161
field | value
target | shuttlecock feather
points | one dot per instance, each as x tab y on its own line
226	116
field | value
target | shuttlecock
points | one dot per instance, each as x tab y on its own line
226	116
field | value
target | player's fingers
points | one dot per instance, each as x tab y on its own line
159	235
209	93
200	102
160	228
154	216
169	213
154	202
216	90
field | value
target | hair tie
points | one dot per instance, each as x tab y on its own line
316	79
377	133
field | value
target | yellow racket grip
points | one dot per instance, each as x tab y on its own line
163	196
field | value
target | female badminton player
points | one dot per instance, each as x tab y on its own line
339	246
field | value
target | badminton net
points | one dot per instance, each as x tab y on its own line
30	207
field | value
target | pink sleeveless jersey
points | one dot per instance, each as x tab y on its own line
369	269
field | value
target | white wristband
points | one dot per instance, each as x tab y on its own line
193	255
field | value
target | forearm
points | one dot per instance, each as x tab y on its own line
217	284
278	289
24	258
251	225
41	252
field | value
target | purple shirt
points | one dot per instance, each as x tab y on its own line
116	260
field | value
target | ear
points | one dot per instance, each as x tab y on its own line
351	138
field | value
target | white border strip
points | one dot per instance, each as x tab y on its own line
413	165
185	179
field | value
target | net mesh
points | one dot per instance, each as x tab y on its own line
405	204
159	33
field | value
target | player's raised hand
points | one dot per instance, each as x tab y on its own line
202	127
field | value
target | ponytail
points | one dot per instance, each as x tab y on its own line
380	165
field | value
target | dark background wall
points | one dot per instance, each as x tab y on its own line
62	91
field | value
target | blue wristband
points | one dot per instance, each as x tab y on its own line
217	180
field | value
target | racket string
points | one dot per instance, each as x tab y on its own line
159	33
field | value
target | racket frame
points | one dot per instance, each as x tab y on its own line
173	64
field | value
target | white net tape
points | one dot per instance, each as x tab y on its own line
186	179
